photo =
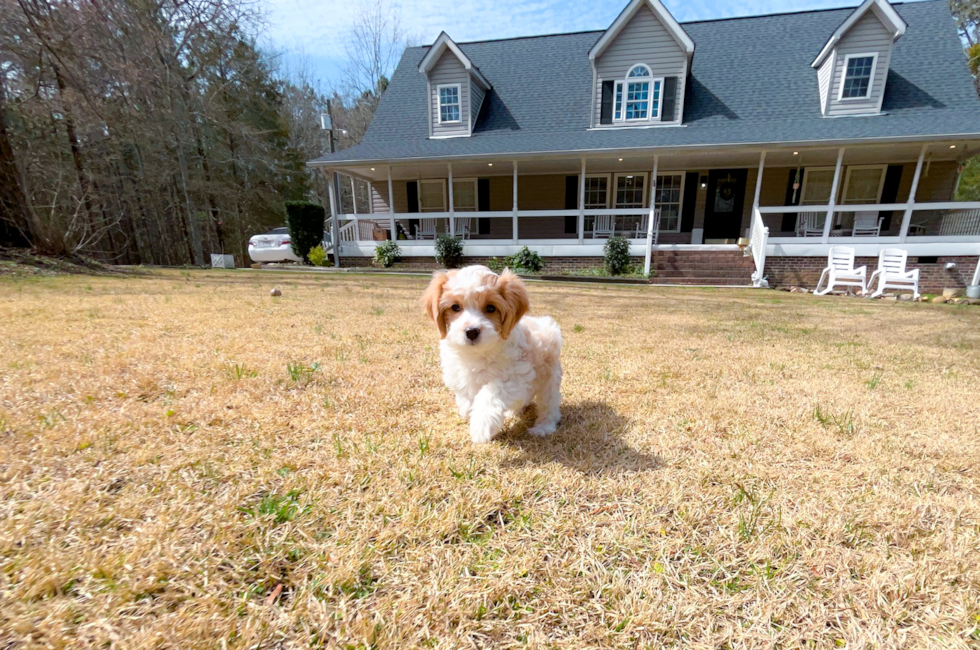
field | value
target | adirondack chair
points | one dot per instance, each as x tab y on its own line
810	224
867	223
427	229
603	226
464	227
891	273
840	271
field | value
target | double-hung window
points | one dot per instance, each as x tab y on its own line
449	103
859	70
432	195
667	197
464	195
637	98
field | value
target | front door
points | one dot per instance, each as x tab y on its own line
723	209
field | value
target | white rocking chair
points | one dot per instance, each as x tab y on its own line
427	229
891	273
866	224
463	227
641	227
603	226
810	224
840	271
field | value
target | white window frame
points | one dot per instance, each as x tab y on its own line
871	79
609	190
806	177
615	190
621	87
680	202
476	194
442	184
459	103
847	182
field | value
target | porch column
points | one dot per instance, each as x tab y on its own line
581	205
452	209
652	217
331	191
391	206
514	226
758	192
910	204
353	200
832	204
353	194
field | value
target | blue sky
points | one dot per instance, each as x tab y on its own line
312	31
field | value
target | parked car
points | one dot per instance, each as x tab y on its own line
273	246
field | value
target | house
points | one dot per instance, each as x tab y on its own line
790	133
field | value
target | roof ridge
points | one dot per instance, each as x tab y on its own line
687	22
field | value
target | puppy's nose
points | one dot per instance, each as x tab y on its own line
472	333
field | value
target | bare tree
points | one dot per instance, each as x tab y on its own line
374	44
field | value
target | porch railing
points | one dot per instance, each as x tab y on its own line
758	241
949	220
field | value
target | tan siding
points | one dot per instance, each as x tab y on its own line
643	40
868	35
449	70
938	185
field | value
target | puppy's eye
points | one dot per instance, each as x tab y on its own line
455	308
491	309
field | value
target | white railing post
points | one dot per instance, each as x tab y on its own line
452	211
976	274
651	218
331	182
581	205
758	190
391	206
514	225
832	204
757	246
353	194
910	204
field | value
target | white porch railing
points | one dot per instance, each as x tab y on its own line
758	241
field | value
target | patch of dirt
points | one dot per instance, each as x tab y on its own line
24	262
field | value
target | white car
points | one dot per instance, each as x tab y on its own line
273	246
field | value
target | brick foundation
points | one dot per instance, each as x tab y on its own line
805	271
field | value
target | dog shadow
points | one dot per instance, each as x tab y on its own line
588	440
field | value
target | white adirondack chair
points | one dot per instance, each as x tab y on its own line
464	227
891	273
641	227
810	224
427	229
840	271
603	226
867	223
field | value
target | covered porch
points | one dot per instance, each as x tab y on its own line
787	201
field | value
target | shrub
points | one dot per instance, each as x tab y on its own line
449	251
387	253
496	265
617	255
525	260
305	222
318	256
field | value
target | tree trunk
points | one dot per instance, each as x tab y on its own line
15	222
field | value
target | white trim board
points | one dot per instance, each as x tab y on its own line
888	16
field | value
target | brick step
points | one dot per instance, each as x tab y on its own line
703	273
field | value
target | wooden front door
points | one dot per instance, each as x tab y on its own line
723	209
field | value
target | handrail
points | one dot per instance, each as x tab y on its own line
881	207
758	240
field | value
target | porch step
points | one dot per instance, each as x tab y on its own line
705	268
696	281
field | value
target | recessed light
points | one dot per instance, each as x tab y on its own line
620	160
372	169
952	146
489	164
796	153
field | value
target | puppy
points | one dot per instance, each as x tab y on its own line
496	359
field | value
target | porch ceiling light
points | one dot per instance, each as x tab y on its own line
372	169
489	164
952	146
620	160
796	153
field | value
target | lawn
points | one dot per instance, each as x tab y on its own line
187	462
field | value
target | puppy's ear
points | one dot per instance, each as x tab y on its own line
430	301
514	295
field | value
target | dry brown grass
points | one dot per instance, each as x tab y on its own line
735	469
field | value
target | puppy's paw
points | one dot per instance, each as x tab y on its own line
543	430
481	431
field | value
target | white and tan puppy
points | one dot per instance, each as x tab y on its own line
495	358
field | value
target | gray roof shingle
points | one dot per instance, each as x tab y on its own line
750	83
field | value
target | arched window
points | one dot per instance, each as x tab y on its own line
638	96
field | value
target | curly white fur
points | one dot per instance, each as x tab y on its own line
495	359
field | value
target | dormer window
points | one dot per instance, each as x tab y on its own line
859	70
449	111
641	99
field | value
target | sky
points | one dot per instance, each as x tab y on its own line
310	33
